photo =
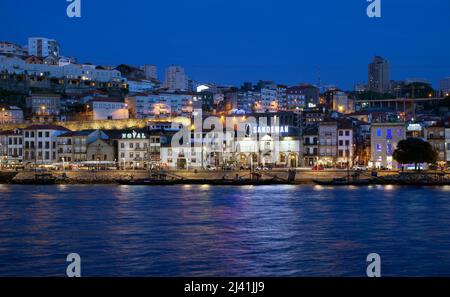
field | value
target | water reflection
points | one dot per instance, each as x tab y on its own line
224	231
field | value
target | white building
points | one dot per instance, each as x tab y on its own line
109	109
345	144
40	144
162	104
140	86
16	65
384	140
9	48
15	147
133	149
176	79
42	47
11	115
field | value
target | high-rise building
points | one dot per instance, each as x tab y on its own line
176	79
43	47
379	75
151	71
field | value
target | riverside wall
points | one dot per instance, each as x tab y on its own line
109	177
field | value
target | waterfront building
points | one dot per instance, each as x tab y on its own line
4	147
310	145
42	47
40	144
346	147
447	145
109	109
100	152
328	132
11	115
379	75
271	140
435	135
134	149
11	147
384	140
73	146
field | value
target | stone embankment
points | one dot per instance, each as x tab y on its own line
110	177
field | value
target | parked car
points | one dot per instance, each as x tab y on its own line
359	168
211	167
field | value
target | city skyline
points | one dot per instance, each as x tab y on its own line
270	53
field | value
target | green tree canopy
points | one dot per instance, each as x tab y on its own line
415	151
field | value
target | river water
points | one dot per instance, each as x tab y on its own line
224	231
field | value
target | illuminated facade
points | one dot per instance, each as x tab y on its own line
384	140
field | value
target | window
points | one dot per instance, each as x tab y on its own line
347	133
131	145
122	145
379	132
389	134
341	133
347	142
122	155
40	134
47	134
341	142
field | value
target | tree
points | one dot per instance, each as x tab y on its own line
415	151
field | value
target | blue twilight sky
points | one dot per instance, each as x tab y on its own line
231	41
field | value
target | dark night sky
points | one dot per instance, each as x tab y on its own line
231	41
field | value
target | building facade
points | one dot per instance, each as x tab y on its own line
379	79
43	47
384	140
40	144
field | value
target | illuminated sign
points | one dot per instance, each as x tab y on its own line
414	127
133	135
269	129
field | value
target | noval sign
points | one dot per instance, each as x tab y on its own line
133	135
